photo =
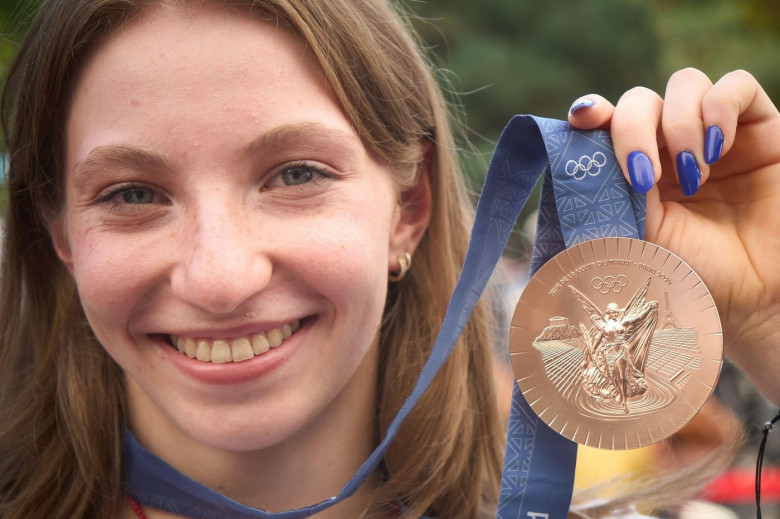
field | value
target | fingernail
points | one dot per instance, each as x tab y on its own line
581	103
713	144
688	173
640	171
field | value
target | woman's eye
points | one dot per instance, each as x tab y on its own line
137	195
297	175
124	194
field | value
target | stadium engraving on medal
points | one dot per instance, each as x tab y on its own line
616	343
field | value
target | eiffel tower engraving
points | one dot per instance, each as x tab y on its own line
669	321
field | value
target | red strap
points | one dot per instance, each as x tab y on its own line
136	507
139	512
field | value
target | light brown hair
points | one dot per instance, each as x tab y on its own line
61	396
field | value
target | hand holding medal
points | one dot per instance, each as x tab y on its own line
618	392
728	230
716	213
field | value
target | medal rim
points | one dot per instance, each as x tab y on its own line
546	400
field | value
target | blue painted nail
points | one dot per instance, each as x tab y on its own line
688	173
713	144
640	171
582	103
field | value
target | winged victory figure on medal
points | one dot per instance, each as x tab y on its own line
616	347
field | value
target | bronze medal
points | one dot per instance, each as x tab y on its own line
616	343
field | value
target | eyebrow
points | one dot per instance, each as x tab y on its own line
304	135
118	155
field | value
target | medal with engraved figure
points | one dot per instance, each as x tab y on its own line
616	343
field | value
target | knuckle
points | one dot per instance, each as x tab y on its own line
740	75
639	93
629	126
673	125
688	74
688	78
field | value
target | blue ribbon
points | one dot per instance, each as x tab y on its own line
578	203
584	196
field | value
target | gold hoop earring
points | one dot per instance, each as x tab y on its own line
405	263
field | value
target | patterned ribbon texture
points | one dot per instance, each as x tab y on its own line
584	196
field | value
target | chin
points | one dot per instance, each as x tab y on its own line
246	436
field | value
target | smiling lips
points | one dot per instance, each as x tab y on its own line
237	349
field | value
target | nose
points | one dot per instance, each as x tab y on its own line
223	263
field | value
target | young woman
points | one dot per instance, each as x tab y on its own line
212	207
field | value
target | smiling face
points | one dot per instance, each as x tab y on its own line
218	200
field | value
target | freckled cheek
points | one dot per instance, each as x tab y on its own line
110	280
357	275
351	266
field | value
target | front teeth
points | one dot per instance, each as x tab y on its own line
242	350
238	349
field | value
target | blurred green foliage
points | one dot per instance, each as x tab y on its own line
518	56
527	56
14	19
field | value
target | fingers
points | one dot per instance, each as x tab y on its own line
633	123
700	122
735	99
684	129
590	112
639	144
688	131
636	139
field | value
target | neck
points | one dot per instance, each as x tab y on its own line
303	469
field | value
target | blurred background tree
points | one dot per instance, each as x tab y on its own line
525	56
14	19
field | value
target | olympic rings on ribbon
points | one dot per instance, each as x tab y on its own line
586	166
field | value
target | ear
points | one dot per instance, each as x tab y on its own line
413	212
59	239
